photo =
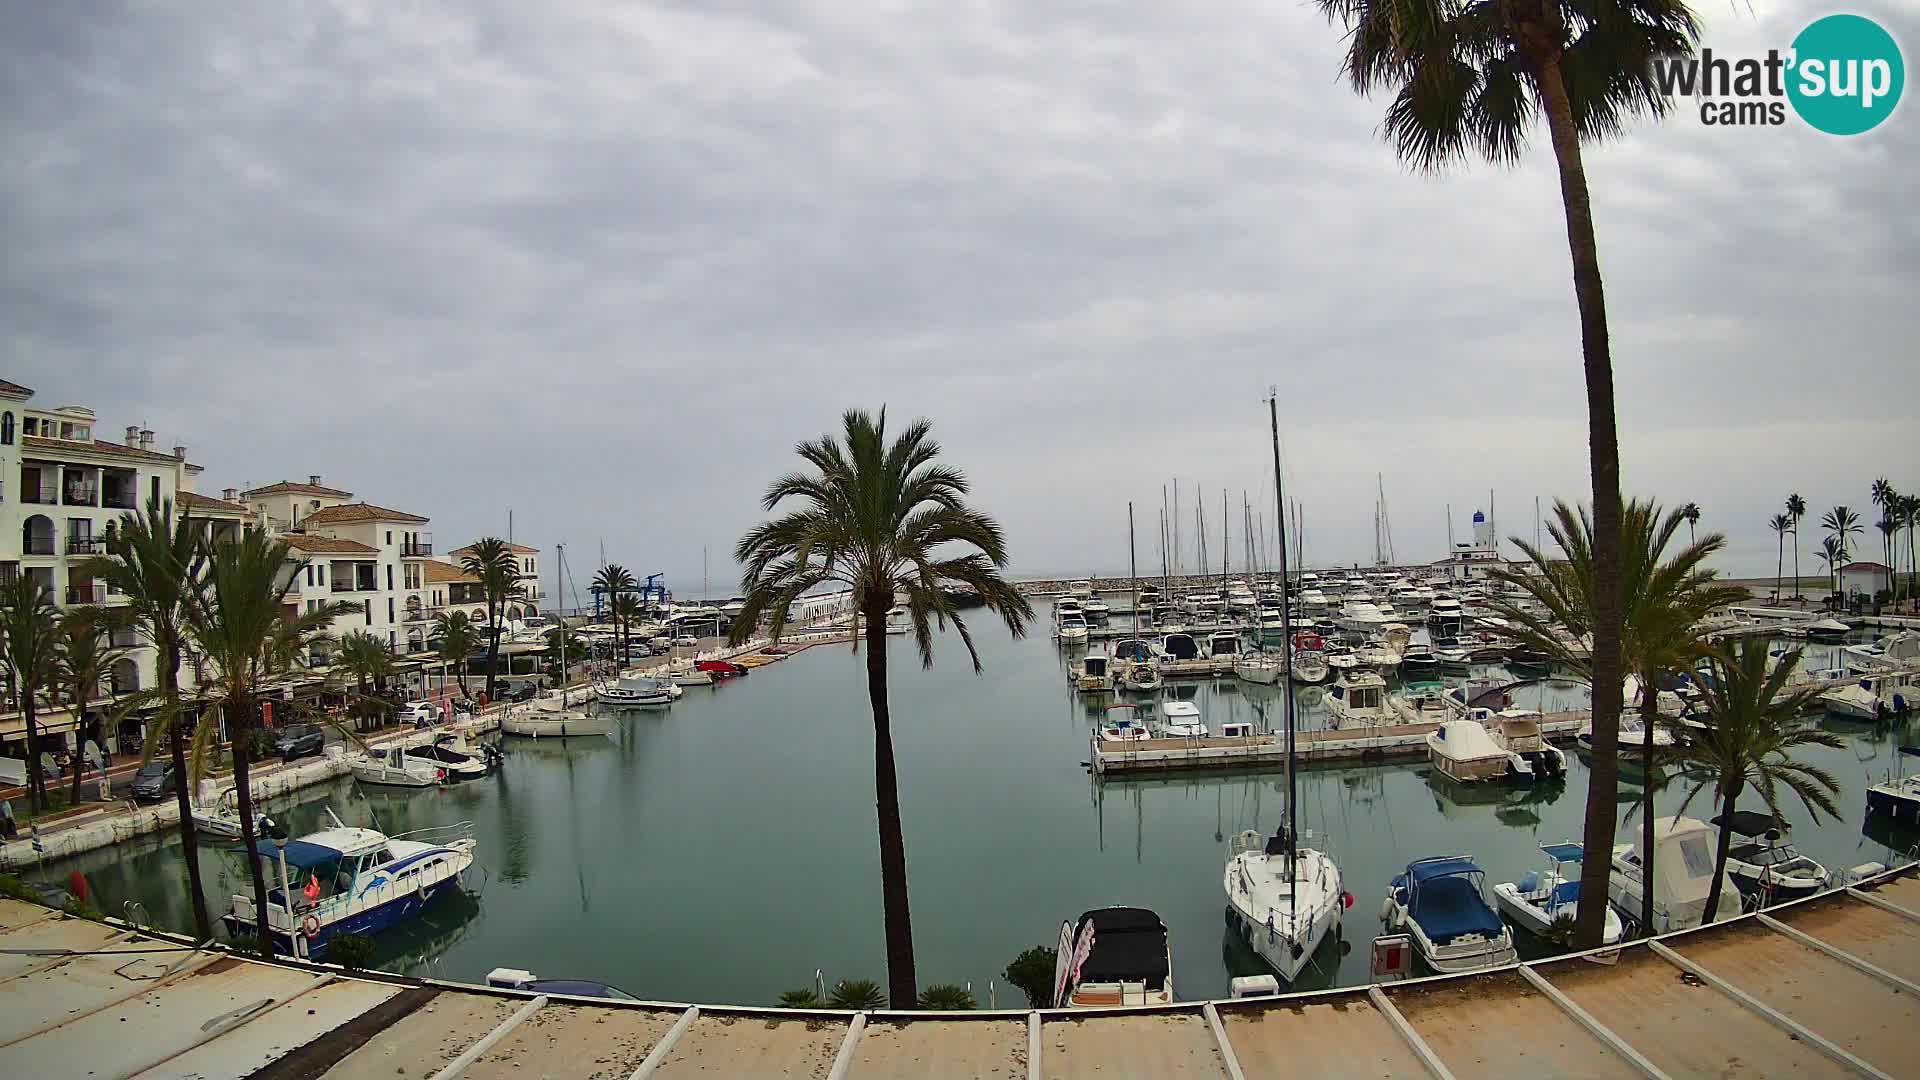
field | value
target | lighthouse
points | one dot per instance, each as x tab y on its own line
1482	532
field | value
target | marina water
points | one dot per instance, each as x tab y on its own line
725	849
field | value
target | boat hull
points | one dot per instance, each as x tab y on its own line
539	727
367	923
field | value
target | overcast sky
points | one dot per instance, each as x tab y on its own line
605	263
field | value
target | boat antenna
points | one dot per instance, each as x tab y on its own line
1286	635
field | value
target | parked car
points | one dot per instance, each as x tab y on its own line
524	691
686	641
419	713
156	780
299	740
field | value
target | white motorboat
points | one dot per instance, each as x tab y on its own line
1544	897
1899	797
1261	669
1633	735
1764	863
1223	645
1095	608
1113	956
1067	605
453	755
1094	674
349	880
1444	608
1141	677
636	692
683	673
1463	751
1362	617
1284	917
1439	902
1529	755
1071	629
1683	874
1314	602
1179	647
1080	589
1875	697
392	767
1827	630
1421	703
556	723
222	819
1122	725
1181	720
1358	699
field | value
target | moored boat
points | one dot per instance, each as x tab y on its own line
393	767
1683	876
1283	915
1763	861
1114	956
1181	720
1439	903
1544	897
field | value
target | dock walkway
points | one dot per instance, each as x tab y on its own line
1383	742
1825	987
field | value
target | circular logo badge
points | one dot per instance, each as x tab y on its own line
1847	74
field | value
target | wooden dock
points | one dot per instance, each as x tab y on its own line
1384	742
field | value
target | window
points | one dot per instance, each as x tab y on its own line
323	573
389	573
393	640
389	604
309	577
1699	860
6	429
153	489
389	537
33	425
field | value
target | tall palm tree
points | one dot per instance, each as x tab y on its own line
613	581
1780	524
28	653
458	640
1888	500
1910	517
83	655
1842	524
1753	727
368	660
1470	79
1834	556
492	563
1665	599
628	609
885	520
1691	512
154	560
1796	509
248	630
1889	528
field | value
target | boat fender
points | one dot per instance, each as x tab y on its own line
310	926
1346	900
1386	910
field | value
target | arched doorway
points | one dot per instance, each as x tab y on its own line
36	535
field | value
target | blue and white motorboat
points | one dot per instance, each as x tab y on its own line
1543	897
1439	902
346	880
636	692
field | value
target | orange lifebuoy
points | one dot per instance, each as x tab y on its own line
310	926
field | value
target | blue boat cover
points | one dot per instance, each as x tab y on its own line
301	855
1451	907
1427	869
1565	853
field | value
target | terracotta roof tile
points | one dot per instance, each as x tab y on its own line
14	388
111	449
360	511
204	502
327	545
440	573
288	487
521	549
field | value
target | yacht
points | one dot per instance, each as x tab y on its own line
1094	673
1179	647
1684	849
1284	917
1763	862
1261	669
1444	608
635	692
1544	897
1362	617
392	767
1439	903
1147	598
1418	661
1314	602
733	608
1895	653
1095	608
1223	645
1633	735
553	718
1529	755
1410	597
223	818
1114	956
1463	751
1181	720
350	880
1067	605
684	673
1893	693
1421	703
1358	699
1270	622
454	755
1309	663
1071	629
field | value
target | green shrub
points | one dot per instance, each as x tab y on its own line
1032	972
800	999
863	994
947	997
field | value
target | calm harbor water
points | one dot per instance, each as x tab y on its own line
724	850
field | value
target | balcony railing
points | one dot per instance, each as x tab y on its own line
120	500
350	586
37	545
86	545
87	594
416	548
125	639
39	497
82	496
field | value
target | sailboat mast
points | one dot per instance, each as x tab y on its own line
560	573
1286	634
1175	519
1133	571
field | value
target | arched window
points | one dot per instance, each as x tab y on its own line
6	429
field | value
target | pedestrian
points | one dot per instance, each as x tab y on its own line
9	828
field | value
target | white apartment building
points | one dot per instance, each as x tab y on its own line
62	491
454	589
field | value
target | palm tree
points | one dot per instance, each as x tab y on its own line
368	660
1780	524
1665	599
884	520
1753	726
1889	528
1888	500
83	655
1910	517
1691	512
1470	80
248	630
1834	556
1796	509
154	560
492	563
458	639
628	609
1841	524
613	581
28	653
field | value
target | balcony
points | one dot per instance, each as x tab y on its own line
120	500
352	586
38	496
417	548
95	593
86	545
82	495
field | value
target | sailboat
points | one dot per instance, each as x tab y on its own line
1283	899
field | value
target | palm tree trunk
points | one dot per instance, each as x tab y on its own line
36	780
1796	558
902	986
1720	856
1604	462
177	753
1779	564
240	718
493	652
1649	714
79	744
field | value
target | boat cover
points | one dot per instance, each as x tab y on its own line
1129	945
1750	822
301	855
1447	903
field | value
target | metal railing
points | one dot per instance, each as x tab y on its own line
85	545
120	501
87	594
84	496
416	547
38	497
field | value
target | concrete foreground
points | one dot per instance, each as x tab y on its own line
1829	986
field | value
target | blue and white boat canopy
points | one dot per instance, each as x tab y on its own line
1563	853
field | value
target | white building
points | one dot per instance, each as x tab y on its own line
462	591
1469	561
1865	578
62	492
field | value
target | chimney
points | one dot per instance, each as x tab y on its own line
133	435
230	494
314	479
179	453
146	438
